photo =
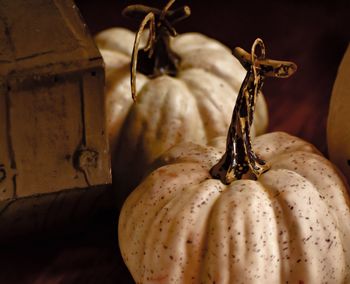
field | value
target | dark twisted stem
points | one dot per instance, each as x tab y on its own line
157	58
239	157
138	12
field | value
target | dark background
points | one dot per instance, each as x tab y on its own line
313	34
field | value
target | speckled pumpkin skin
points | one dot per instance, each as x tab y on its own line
290	226
196	105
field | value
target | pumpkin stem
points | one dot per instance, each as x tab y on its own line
156	58
239	157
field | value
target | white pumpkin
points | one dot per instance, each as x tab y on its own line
285	221
290	226
338	131
196	105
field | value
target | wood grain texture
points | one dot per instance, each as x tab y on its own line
52	135
313	34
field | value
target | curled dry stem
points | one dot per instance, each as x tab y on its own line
163	60
149	47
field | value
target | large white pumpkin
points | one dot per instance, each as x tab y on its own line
289	226
338	131
196	105
284	221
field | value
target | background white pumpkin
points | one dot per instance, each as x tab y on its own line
289	226
338	129
196	105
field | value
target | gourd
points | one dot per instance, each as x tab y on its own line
279	214
185	86
338	128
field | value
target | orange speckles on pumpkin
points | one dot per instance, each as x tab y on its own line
174	175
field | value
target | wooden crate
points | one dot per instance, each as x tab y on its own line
54	156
